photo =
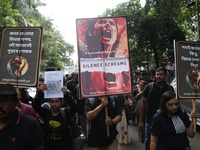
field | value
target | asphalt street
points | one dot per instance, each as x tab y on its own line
135	144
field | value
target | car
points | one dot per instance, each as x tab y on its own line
186	104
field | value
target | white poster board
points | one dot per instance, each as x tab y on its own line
54	82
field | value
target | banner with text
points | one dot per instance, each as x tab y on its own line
188	69
20	55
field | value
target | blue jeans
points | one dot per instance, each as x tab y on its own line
147	136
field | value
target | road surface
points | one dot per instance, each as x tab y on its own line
136	145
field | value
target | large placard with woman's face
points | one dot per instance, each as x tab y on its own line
188	69
104	66
20	55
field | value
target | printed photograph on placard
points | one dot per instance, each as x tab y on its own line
193	78
17	66
54	82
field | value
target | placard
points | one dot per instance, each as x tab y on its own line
20	55
188	69
103	54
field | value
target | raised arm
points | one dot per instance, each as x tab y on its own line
37	101
90	115
69	100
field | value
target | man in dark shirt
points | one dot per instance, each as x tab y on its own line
104	114
17	130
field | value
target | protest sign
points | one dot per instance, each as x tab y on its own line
20	55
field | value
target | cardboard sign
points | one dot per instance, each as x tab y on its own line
20	56
188	69
103	54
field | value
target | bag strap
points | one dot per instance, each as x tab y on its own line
150	88
169	87
92	101
62	111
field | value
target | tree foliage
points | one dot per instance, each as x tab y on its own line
56	51
7	14
153	28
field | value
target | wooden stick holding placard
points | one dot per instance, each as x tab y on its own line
18	93
194	107
107	127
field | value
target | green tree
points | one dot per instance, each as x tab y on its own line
56	51
27	10
7	14
152	29
133	12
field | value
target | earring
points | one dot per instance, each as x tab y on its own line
90	33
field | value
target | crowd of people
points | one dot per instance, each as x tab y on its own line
47	123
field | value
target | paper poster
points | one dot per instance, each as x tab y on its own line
54	81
